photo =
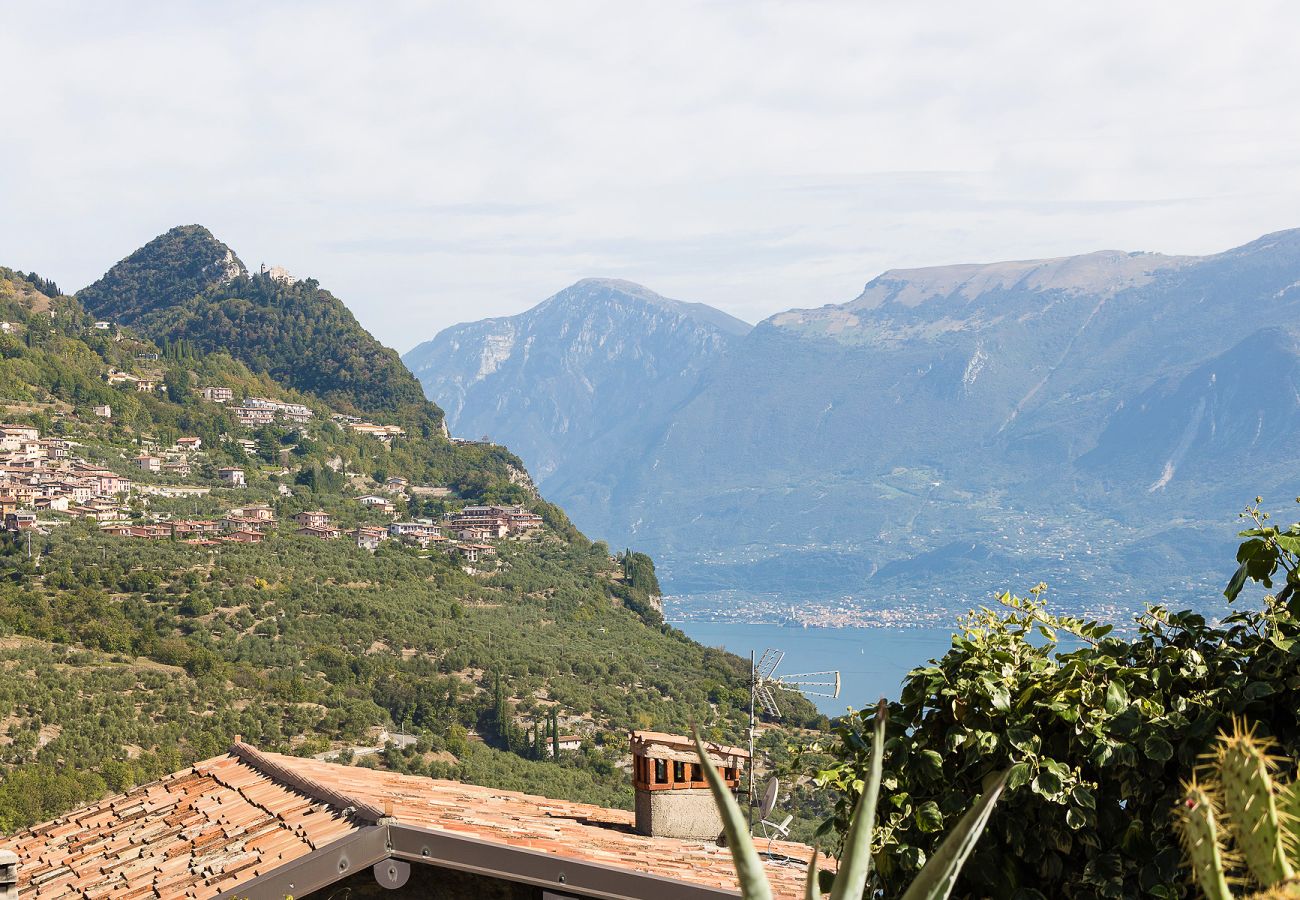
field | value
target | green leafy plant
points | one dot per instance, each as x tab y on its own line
934	882
1235	815
1096	727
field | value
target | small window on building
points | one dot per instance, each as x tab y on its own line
661	771
679	772
696	774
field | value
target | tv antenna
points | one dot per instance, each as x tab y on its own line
764	683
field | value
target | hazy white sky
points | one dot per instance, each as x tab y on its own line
436	163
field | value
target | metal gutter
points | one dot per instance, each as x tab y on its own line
381	837
318	869
375	844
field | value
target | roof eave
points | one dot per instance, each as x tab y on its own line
374	844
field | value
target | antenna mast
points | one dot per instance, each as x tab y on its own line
762	680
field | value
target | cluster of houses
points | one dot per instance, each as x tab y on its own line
382	433
243	525
176	462
422	533
256	411
43	474
488	522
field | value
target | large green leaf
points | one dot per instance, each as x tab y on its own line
936	880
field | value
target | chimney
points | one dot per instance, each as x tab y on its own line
672	797
8	875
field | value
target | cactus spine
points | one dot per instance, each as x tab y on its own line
1250	802
1203	842
1236	816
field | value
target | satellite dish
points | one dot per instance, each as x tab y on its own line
770	797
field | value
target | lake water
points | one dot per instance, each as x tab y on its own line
871	661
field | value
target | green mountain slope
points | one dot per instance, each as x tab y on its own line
186	285
126	656
170	269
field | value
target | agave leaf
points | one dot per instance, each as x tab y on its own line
855	864
749	868
936	880
810	889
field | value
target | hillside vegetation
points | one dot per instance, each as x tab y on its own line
186	285
128	656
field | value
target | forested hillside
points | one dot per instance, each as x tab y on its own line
186	285
134	639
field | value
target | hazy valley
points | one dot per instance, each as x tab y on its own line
1092	421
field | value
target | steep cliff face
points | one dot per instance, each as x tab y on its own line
594	370
976	424
1056	412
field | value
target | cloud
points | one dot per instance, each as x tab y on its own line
432	162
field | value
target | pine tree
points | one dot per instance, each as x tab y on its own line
555	733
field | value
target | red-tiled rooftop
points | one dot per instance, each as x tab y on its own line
207	830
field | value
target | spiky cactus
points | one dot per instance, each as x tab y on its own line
1235	816
934	882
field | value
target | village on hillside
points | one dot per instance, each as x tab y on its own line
47	481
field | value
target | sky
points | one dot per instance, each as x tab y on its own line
437	163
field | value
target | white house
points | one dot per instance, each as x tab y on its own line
374	501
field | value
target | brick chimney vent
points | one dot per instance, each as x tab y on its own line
672	796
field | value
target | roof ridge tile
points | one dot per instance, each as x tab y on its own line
305	785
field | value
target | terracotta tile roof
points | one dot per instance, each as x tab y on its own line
230	819
575	830
193	834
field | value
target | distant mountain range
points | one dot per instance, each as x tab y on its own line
1094	421
601	365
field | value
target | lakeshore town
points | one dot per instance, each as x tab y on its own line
46	481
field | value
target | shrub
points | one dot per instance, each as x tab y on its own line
1095	728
